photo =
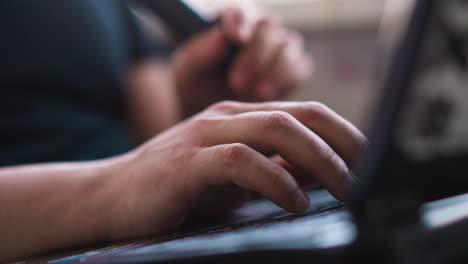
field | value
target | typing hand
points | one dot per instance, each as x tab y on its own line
269	148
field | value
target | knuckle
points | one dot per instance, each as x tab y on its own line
226	105
279	119
331	158
315	111
266	24
234	152
271	18
203	122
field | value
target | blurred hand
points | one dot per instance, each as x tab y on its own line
270	148
271	61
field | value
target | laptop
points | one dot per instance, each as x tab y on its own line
410	205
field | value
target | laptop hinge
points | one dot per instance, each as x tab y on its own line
388	229
391	231
393	210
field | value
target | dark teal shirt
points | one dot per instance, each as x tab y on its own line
62	65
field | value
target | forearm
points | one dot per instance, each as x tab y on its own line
153	101
53	206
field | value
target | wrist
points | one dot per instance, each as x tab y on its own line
109	178
100	191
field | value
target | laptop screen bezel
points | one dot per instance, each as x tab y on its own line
388	105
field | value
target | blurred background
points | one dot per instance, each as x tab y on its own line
344	37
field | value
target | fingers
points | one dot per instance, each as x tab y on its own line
243	166
206	50
279	132
288	69
238	23
253	61
203	52
303	177
257	55
271	63
338	132
272	60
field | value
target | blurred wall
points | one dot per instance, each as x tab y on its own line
345	64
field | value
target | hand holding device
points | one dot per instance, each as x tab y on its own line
244	55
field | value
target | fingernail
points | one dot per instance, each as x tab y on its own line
265	91
301	201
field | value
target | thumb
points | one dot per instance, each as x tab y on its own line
206	51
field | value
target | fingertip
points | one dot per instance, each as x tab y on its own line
301	201
234	25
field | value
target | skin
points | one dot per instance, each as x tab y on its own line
154	188
220	154
270	64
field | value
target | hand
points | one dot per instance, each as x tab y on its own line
270	64
270	148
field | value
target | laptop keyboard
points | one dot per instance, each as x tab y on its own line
257	225
328	227
277	217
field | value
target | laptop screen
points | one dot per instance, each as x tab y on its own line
420	139
433	122
396	16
